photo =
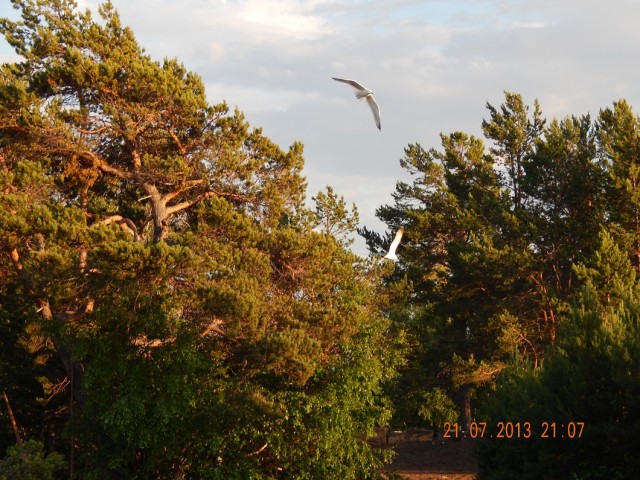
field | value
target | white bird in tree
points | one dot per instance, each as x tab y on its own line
391	255
363	92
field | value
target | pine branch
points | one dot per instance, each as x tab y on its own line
184	186
104	167
213	326
174	137
188	203
68	317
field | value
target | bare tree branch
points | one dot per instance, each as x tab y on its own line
177	141
260	450
125	223
68	317
214	326
104	167
186	204
184	186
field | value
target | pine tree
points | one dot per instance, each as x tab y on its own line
492	236
618	130
459	264
586	392
564	185
200	323
332	216
514	134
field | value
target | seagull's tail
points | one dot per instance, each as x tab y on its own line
391	256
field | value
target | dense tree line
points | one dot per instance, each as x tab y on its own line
170	308
582	406
519	252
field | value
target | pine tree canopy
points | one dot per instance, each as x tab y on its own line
501	234
169	306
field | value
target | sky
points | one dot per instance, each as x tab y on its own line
432	64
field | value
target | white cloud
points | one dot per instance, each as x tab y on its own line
528	25
256	99
284	18
216	51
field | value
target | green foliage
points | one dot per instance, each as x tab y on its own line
607	272
174	309
29	462
591	377
437	408
333	217
464	253
500	239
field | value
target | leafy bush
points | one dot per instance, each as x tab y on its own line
29	462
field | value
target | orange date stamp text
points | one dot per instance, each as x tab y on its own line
515	430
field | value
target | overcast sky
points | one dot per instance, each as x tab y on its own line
432	64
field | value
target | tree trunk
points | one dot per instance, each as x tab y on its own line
464	406
158	212
14	424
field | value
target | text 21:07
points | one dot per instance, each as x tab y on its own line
515	430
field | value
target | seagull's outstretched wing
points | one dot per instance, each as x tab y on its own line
391	255
375	109
353	83
364	92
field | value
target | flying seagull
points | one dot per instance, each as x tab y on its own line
396	241
363	92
